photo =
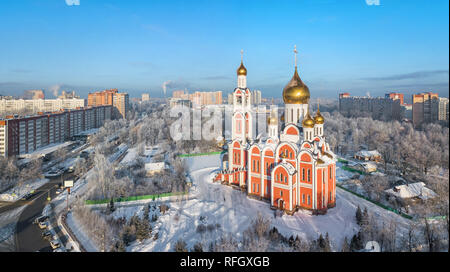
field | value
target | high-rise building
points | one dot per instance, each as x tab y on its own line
395	96
66	95
256	97
178	94
15	106
22	135
121	104
34	94
439	109
145	97
199	98
387	108
230	99
120	101
422	108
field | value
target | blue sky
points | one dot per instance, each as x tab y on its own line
136	46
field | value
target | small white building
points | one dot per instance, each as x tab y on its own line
366	167
155	167
365	155
413	190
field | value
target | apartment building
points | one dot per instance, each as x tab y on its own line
422	111
22	135
39	105
145	97
199	99
380	108
119	101
440	109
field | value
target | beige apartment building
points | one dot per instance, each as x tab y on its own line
12	106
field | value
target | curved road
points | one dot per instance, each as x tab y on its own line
27	235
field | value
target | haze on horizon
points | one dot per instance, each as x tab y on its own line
136	46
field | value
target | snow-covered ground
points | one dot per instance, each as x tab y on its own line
47	149
132	155
341	174
8	221
80	233
18	192
233	211
200	162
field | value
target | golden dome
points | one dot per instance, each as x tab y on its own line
296	92
318	119
308	122
242	71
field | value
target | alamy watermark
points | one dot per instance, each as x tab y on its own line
72	2
373	2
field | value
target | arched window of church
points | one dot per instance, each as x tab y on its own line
285	179
303	198
331	198
292	115
309	175
303	174
309	200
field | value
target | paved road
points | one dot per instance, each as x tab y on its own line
28	235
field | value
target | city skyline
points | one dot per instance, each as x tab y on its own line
137	47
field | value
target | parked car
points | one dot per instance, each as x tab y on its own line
43	224
58	191
59	249
40	219
27	196
47	234
55	244
53	173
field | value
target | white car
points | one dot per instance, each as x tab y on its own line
55	244
43	224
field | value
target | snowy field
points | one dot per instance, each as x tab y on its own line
201	162
132	155
233	211
341	174
80	233
18	192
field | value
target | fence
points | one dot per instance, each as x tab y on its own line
133	198
201	154
342	160
346	168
